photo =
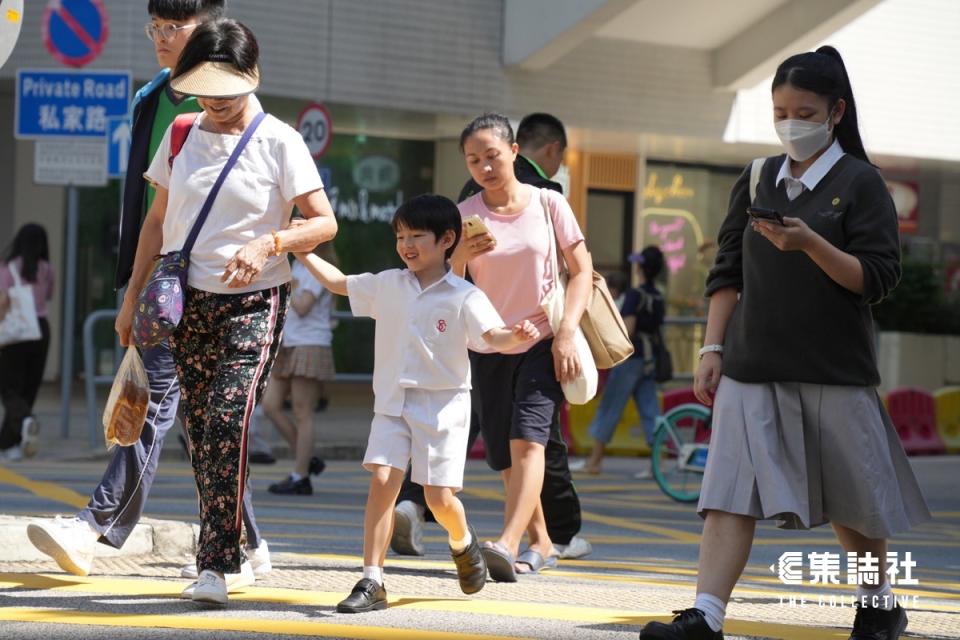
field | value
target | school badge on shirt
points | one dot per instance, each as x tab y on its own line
441	325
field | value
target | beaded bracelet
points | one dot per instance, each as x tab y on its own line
277	244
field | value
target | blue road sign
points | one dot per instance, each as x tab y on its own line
75	31
326	174
54	103
118	146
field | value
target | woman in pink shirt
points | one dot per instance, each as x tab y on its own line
518	394
22	363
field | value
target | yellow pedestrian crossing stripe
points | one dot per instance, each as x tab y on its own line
294	597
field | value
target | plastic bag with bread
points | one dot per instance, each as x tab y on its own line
126	409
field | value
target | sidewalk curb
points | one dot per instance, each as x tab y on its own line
164	537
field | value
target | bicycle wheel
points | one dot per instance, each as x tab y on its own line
680	427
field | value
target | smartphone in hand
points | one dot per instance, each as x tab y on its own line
768	215
473	226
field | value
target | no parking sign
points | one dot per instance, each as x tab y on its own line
75	31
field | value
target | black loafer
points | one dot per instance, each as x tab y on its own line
316	466
471	567
262	457
688	624
878	624
367	595
301	487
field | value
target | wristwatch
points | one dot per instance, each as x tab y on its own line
709	348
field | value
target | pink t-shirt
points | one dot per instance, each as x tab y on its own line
515	275
42	288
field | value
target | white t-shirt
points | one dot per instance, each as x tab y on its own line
312	328
255	199
422	334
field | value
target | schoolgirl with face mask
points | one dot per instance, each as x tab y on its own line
789	363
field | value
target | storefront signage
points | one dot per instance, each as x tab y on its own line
360	209
376	173
657	191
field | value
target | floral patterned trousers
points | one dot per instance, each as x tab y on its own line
224	349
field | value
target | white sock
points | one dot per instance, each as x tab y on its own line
460	545
714	610
374	573
295	477
877	597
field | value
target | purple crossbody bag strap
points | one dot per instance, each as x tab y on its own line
208	203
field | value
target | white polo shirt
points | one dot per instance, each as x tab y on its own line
422	334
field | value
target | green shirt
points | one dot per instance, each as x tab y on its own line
168	108
537	167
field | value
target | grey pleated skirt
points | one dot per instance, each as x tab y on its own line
808	454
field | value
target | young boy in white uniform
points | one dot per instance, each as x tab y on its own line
426	316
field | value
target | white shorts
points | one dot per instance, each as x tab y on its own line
431	434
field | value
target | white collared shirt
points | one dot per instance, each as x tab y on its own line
814	173
422	334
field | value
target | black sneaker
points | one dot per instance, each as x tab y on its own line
262	457
688	624
872	623
316	466
301	487
471	567
367	595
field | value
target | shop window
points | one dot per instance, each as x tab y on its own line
367	178
610	229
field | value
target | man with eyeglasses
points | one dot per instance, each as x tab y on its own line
118	501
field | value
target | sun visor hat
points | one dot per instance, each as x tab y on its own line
216	78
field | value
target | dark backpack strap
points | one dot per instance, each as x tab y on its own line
208	203
178	134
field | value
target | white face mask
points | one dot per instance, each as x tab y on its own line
801	138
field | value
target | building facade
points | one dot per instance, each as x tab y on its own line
665	100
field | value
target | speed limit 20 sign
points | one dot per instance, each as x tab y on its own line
316	127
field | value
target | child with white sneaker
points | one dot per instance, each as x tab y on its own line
426	316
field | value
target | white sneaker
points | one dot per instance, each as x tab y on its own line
644	474
210	588
71	542
13	454
408	524
577	465
28	436
234	581
258	558
578	548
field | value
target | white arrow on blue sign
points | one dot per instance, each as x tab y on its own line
118	146
68	104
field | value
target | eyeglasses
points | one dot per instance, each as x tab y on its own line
165	32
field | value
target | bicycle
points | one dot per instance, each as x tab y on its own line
679	453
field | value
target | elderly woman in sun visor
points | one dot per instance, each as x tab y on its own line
238	282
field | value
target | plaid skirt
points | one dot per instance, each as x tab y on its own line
314	362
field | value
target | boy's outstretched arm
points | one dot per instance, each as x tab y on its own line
328	275
504	339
